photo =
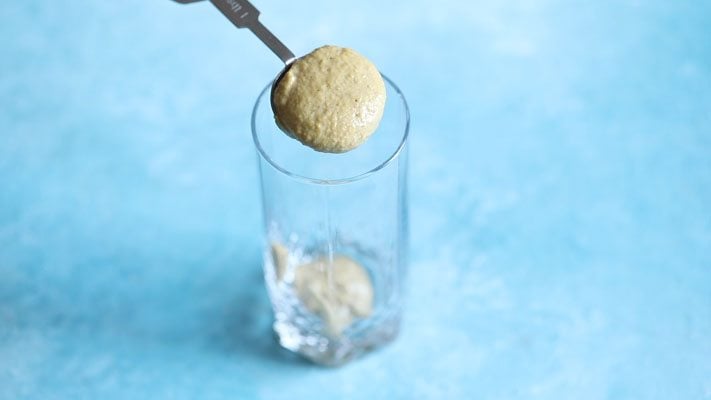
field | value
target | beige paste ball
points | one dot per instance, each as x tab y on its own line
331	100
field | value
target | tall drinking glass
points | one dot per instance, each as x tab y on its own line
336	235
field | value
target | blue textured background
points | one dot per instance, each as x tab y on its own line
560	191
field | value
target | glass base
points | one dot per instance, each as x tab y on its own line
331	309
334	351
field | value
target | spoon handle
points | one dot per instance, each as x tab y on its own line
271	41
244	15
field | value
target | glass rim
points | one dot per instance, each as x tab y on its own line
339	181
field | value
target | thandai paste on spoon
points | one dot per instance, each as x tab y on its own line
331	100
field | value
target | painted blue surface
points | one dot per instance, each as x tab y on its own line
560	199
